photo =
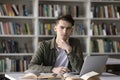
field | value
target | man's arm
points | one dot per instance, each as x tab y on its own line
74	52
36	63
76	56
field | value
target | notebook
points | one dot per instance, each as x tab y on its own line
94	63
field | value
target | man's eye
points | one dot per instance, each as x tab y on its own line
62	27
69	28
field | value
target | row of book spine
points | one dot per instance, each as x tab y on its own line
11	46
103	29
14	65
48	29
54	10
13	10
105	45
14	28
106	11
79	29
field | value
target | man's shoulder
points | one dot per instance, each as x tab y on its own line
46	41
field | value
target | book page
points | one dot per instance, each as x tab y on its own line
29	76
70	74
89	75
47	75
40	75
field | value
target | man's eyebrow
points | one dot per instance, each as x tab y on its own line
69	27
66	27
62	26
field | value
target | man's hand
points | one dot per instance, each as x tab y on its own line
64	45
60	70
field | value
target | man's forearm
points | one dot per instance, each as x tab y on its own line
40	68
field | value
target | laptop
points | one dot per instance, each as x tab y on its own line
94	63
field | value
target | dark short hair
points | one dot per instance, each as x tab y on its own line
66	18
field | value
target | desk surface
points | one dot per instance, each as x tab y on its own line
104	76
108	76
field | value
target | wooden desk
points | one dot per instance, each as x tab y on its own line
104	76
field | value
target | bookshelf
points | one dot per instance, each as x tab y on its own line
34	23
105	16
105	31
16	35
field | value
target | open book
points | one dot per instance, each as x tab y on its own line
88	76
67	76
40	75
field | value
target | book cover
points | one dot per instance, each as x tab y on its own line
15	10
2	28
27	28
25	10
1	11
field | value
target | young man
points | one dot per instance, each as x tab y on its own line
60	54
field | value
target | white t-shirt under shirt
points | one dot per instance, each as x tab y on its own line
62	59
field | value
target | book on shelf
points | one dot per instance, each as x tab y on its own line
2	28
26	48
25	10
54	10
18	30
41	28
104	45
20	9
13	28
27	28
13	10
10	10
79	29
1	11
106	11
103	29
46	28
13	65
2	65
100	45
110	11
4	46
9	46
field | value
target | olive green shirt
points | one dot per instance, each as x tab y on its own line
45	57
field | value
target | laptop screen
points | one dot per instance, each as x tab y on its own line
93	63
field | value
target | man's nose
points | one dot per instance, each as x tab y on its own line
64	31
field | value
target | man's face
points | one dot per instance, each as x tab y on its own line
63	29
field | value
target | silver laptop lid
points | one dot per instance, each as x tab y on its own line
94	63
